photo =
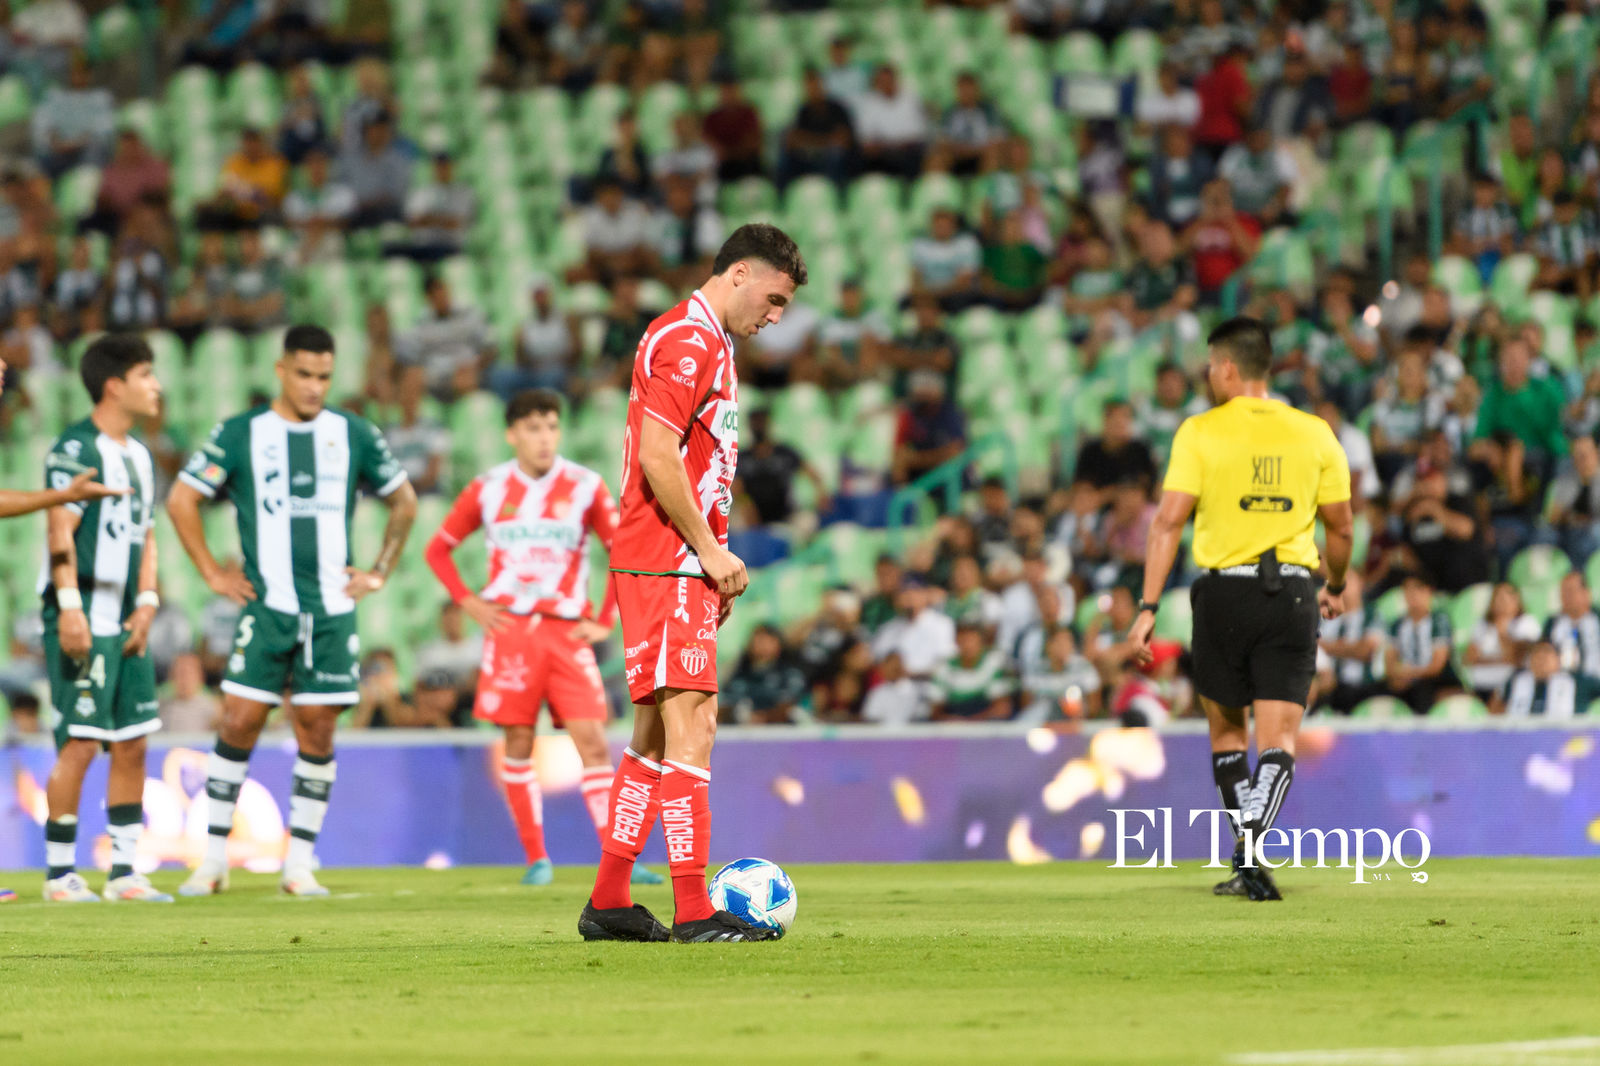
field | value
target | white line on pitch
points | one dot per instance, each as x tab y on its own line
1513	1053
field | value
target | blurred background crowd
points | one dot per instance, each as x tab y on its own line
1020	218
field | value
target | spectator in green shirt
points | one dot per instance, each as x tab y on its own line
1527	407
1014	271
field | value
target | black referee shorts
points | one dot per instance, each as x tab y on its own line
1250	646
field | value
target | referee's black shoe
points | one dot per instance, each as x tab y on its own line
721	927
1258	884
1234	885
633	924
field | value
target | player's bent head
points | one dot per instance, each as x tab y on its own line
305	369
762	267
123	358
1246	343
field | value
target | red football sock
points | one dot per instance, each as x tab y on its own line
686	823
633	805
596	789
527	805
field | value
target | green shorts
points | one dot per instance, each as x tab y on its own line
317	656
106	697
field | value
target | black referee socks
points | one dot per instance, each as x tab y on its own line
1274	772
1231	769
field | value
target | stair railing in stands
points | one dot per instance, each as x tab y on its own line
948	479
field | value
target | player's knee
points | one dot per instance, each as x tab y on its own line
125	751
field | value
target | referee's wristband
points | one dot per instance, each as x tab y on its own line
1334	590
1151	607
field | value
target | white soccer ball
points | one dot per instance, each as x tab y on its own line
757	891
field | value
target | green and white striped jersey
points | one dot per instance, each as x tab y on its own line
111	532
293	486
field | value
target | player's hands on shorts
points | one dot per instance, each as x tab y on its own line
85	487
1331	606
491	616
233	584
74	630
724	611
726	571
362	582
1139	637
589	631
138	629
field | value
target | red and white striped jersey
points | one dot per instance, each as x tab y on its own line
683	377
538	532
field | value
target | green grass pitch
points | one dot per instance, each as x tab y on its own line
932	963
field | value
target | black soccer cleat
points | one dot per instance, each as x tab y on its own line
721	927
1234	885
633	924
1259	885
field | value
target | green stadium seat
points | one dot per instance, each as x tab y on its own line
16	104
1459	277
1459	708
253	98
1136	51
931	191
1469	607
1175	619
1513	276
1381	708
1591	574
1556	315
1537	572
1079	53
76	192
1390	606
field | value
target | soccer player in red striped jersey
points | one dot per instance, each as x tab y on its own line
676	581
537	512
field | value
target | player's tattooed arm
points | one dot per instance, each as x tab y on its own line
402	504
73	626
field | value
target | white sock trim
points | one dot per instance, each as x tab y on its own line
641	760
685	768
315	771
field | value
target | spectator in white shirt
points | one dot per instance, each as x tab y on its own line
189	707
896	699
74	124
686	236
891	126
786	352
945	263
922	635
1364	483
689	157
547	348
440	213
420	444
1169	102
451	344
319	211
844	79
616	233
1499	642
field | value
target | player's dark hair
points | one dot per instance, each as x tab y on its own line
112	356
532	402
766	242
307	338
1246	343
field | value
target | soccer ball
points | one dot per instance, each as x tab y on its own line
757	891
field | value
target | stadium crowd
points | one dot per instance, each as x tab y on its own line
1465	388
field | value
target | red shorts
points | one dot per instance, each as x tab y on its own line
669	633
534	660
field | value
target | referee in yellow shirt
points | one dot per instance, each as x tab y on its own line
1257	474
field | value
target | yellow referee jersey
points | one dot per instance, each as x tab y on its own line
1258	470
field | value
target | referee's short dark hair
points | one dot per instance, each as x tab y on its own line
307	338
532	402
1247	343
766	242
112	356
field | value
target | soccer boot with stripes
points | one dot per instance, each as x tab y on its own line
208	879
539	873
302	883
720	928
633	924
134	888
69	888
1234	885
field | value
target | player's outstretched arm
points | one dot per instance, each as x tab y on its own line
663	468
14	502
402	504
183	507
